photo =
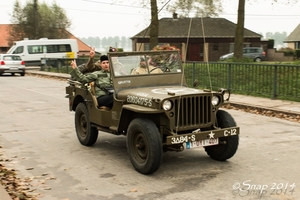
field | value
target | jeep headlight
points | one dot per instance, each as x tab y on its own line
167	105
215	100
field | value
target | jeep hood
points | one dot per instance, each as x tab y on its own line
162	92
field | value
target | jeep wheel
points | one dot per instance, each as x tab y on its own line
227	145
86	134
144	145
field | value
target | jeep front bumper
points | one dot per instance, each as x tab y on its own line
202	135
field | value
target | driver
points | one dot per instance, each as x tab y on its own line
142	69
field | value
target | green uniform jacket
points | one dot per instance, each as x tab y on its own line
100	78
91	66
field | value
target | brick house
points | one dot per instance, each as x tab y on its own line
293	39
199	39
4	34
83	48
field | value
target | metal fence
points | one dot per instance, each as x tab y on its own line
265	80
274	81
64	66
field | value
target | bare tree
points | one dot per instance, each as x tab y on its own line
200	8
239	31
154	25
204	8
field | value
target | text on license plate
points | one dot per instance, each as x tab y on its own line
202	143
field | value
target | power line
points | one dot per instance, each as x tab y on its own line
115	4
263	15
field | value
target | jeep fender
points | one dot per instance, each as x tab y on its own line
132	111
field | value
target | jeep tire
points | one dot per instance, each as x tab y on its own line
144	145
86	134
227	145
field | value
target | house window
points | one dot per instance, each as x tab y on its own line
297	45
146	46
231	47
215	46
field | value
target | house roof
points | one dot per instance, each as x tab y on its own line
294	36
4	35
81	45
192	27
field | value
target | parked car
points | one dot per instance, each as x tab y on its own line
10	63
256	53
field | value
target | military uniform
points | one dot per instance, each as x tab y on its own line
144	70
100	78
90	66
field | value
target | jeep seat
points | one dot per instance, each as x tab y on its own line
92	90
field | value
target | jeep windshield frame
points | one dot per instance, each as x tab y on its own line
146	69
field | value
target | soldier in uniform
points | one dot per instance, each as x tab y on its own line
142	69
101	79
90	66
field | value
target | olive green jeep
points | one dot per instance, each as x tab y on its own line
155	109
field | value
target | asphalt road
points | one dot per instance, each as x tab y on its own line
38	137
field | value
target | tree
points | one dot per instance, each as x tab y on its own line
201	8
35	21
239	36
17	18
204	8
239	31
278	37
154	25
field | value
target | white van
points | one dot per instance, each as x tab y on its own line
37	52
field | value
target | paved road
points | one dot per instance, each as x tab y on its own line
38	136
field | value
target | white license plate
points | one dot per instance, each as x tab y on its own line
201	143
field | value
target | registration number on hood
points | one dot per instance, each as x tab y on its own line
143	101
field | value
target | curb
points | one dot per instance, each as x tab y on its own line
259	108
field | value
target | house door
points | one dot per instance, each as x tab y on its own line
195	52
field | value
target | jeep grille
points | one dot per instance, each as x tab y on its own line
193	111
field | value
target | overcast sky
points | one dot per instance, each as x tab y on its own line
102	18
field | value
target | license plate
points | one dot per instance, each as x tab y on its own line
201	143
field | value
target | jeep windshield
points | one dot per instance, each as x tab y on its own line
144	69
145	63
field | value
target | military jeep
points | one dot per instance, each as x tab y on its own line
157	112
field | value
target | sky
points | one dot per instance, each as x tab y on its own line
103	18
